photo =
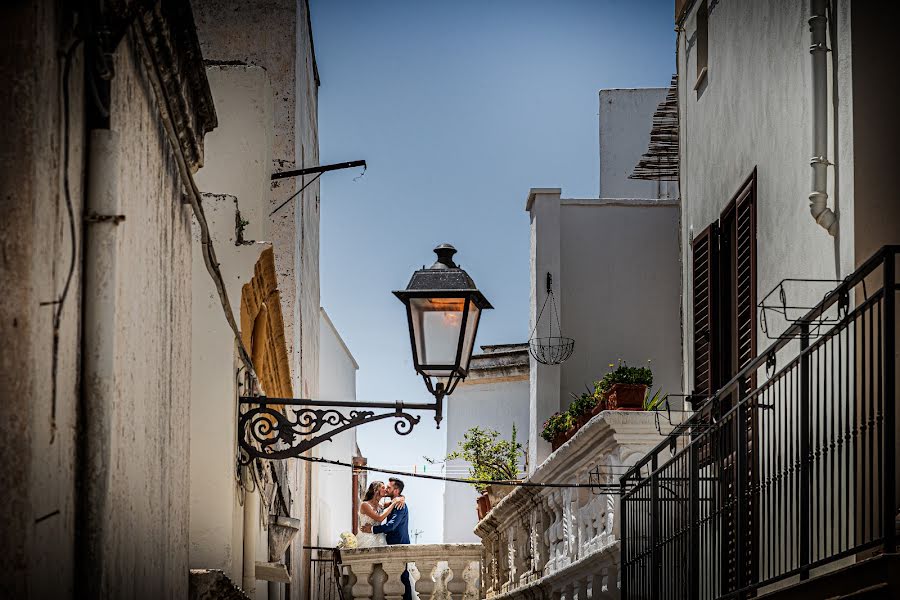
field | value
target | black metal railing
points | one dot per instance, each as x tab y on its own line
782	470
325	577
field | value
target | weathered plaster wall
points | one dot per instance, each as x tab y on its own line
147	531
332	486
140	487
625	119
754	111
37	467
232	32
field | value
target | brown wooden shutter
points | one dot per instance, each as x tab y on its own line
745	280
704	250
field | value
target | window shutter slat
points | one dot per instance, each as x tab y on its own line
745	294
704	249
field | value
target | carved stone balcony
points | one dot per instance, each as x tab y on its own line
436	571
564	542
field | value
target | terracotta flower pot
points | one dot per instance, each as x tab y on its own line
626	396
561	438
599	407
497	491
483	505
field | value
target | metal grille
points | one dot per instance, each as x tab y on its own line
715	512
325	579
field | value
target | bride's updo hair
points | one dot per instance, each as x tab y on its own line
373	489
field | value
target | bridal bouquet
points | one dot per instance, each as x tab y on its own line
348	541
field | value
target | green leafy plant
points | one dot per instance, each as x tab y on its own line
623	374
582	404
490	457
557	424
656	401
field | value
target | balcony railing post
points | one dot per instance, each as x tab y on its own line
889	502
655	560
694	516
805	443
623	536
740	480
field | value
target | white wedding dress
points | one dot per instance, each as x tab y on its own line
369	540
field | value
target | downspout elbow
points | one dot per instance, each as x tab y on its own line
824	216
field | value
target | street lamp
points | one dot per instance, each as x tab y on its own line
443	308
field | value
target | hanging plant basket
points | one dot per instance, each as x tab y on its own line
553	349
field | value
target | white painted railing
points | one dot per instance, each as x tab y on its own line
437	571
564	542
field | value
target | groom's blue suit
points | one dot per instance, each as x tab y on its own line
396	531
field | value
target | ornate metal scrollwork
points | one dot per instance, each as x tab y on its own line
276	429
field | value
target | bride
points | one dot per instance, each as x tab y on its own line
372	513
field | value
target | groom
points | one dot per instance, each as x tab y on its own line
395	528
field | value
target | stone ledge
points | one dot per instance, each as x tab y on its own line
411	553
630	433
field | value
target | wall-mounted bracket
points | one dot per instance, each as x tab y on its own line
279	428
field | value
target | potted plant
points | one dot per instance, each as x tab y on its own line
582	408
558	429
625	388
656	401
490	458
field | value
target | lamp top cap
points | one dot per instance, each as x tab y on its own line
443	279
444	260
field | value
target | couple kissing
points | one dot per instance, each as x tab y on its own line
384	520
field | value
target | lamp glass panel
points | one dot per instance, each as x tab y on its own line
469	340
437	324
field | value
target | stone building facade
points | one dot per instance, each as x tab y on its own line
263	61
102	133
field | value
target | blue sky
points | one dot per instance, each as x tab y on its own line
459	108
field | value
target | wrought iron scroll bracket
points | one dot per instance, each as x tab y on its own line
279	428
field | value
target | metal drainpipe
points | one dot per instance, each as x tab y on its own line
99	322
818	51
251	531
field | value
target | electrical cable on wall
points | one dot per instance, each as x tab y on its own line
60	302
193	194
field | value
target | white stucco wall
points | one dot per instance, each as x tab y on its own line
279	40
235	176
494	405
620	289
616	280
754	111
625	118
332	486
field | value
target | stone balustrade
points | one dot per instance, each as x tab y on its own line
437	571
564	542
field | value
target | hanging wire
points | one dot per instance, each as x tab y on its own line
609	488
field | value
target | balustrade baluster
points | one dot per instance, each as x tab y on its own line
362	589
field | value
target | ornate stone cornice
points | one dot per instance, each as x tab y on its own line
170	37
